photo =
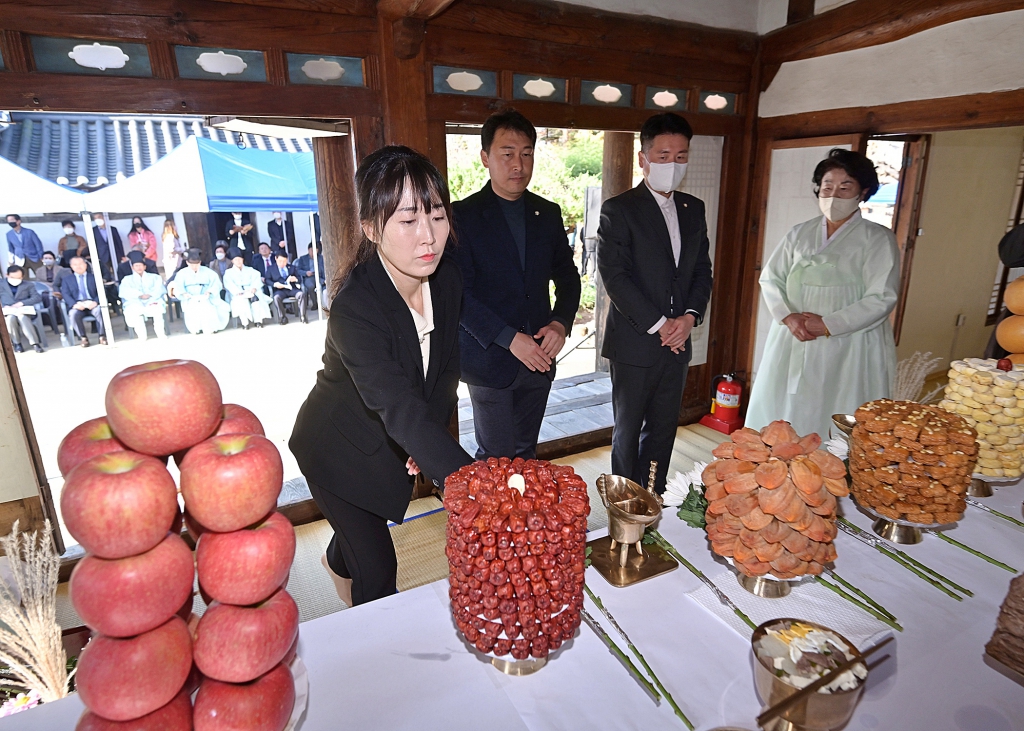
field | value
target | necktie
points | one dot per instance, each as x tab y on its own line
284	274
82	294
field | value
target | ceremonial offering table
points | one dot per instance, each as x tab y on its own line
399	664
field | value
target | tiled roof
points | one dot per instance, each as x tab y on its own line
91	150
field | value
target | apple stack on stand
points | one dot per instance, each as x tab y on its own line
134	587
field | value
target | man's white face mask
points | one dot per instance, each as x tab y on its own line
838	209
666	176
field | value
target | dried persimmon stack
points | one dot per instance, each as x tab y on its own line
772	501
911	462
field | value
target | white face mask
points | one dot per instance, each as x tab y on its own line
47	262
100	222
838	209
69	230
13	282
238	219
220	254
277	216
666	176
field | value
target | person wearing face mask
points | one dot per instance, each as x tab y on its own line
380	409
220	262
140	238
282	235
829	286
71	241
238	232
24	245
512	247
20	300
652	253
108	245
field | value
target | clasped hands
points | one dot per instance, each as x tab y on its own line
805	326
675	331
538	352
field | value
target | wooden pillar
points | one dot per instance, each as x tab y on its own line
404	82
368	136
197	233
335	187
616	177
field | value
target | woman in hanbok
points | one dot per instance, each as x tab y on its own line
829	286
248	302
173	249
198	290
142	295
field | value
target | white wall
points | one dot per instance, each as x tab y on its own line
731	14
790	201
771	14
982	54
300	221
18	477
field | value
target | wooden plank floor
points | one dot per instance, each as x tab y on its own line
576	405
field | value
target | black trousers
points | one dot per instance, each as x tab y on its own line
645	405
361	549
507	420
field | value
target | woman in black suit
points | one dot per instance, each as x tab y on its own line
380	410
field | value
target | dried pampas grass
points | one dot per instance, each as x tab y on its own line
30	637
911	374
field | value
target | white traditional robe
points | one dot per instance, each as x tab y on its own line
851	280
136	310
201	305
237	281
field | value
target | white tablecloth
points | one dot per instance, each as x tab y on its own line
398	664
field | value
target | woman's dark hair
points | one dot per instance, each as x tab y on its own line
668	123
857	166
67	223
506	119
380	182
144	226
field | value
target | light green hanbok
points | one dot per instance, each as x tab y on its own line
851	281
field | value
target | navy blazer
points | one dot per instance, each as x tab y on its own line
274	276
644	283
373	406
69	289
497	292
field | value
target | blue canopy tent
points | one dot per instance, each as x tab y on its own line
201	176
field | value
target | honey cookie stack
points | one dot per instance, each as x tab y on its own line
992	401
911	462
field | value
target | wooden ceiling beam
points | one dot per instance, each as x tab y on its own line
869	23
422	9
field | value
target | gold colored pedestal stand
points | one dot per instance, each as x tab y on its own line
519	668
896	532
642	564
979	488
762	587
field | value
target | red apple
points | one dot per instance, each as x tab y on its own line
175	716
246	566
119	504
238	644
162	407
264	704
84	441
231	481
128	596
239	420
122	679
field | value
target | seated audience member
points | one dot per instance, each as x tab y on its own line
248	302
220	262
125	268
142	296
78	289
304	266
198	288
71	241
263	263
284	282
20	302
51	272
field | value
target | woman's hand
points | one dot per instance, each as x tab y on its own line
797	324
412	467
814	324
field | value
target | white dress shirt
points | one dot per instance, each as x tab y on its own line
668	210
424	323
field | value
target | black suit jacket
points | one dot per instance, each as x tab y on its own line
275	276
497	292
109	256
283	231
124	269
69	288
372	406
634	256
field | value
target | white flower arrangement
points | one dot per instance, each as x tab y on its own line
678	487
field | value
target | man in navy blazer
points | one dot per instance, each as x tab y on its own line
284	282
263	262
652	254
78	289
510	245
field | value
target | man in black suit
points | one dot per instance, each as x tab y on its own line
78	289
238	233
653	257
263	262
282	235
284	283
108	245
511	246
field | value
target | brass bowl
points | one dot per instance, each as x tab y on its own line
844	422
631	508
816	712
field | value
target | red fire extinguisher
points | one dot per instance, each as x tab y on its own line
725	405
